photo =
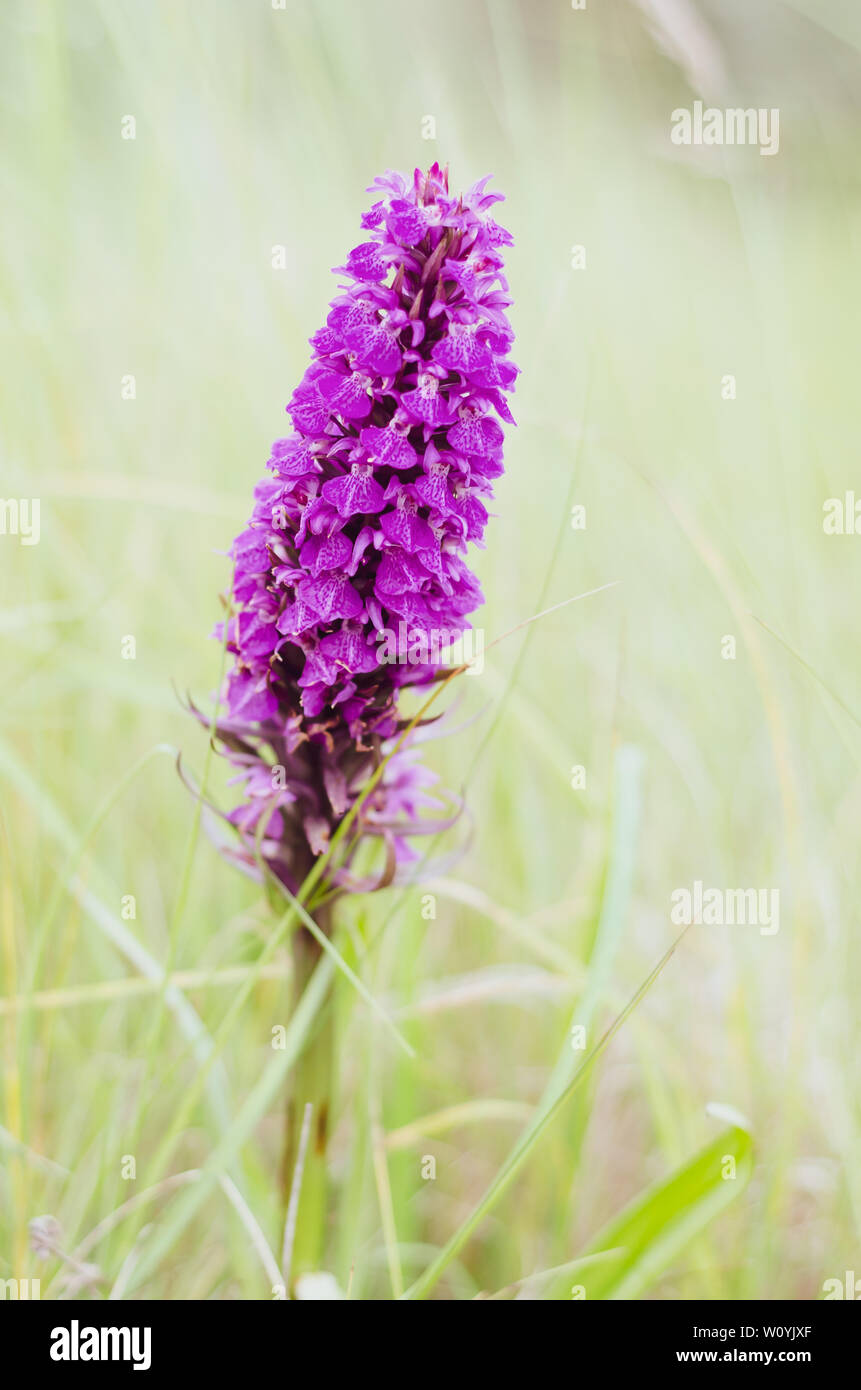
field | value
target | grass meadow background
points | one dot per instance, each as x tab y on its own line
152	257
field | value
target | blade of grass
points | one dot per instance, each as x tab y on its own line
237	1132
512	1166
469	1112
657	1225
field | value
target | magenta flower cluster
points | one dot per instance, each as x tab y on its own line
363	526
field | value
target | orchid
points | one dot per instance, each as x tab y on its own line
351	581
362	530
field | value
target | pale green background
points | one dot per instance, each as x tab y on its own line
256	128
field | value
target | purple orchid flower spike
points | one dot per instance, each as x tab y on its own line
361	532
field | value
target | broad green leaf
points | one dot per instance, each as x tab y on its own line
652	1230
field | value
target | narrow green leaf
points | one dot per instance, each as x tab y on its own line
655	1227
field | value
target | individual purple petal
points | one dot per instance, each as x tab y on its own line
256	638
389	447
250	698
406	223
356	493
348	395
496	235
398	572
250	552
406	529
367	262
462	351
433	488
326	342
295	619
310	412
330	596
426	403
319	669
350	649
376	347
326	553
293	457
319	518
472	512
475	434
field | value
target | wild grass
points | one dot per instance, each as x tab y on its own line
148	1037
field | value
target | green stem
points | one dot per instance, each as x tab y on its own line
310	1082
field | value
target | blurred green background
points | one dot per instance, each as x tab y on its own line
257	128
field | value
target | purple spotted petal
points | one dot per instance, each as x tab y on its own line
326	553
348	395
389	447
330	596
480	436
356	493
427	403
367	262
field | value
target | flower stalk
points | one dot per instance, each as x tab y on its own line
311	1083
351	582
